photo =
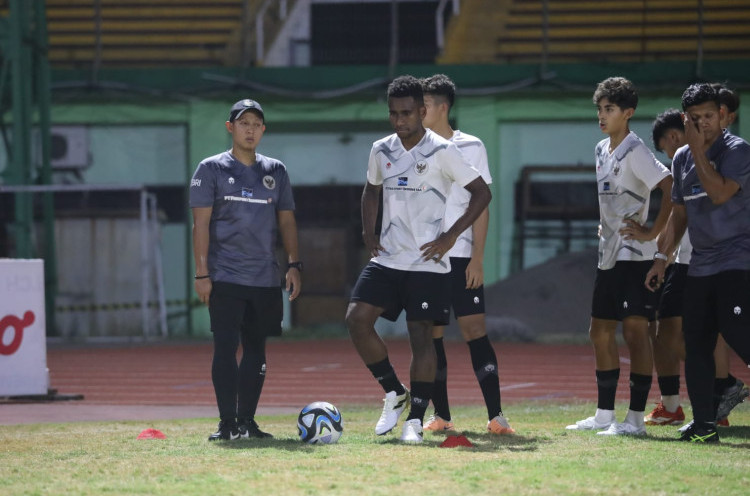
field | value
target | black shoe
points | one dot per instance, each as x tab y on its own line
227	431
700	433
249	428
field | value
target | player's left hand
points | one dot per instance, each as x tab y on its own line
293	283
474	274
435	250
636	231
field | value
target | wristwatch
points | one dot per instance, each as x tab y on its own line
660	256
296	265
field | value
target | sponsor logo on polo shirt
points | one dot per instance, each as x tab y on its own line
231	180
247	193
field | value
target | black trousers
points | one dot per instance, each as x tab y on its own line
713	304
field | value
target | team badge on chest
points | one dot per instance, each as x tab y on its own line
269	182
420	168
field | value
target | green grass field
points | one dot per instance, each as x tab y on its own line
95	458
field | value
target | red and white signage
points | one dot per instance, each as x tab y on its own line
23	341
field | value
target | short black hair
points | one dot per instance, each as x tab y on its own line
669	119
617	90
698	93
406	86
727	97
440	85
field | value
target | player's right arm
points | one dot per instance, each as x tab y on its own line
370	205
718	187
201	221
667	244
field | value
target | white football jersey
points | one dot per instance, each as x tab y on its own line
625	179
684	250
416	184
475	153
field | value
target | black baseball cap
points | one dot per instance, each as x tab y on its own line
240	107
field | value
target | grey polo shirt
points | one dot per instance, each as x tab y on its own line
243	228
720	233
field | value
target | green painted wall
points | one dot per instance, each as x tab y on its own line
327	140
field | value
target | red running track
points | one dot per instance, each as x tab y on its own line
330	370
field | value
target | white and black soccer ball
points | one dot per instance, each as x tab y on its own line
320	422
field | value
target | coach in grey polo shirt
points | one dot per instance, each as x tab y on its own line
711	196
240	201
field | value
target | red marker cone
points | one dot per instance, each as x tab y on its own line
151	434
456	441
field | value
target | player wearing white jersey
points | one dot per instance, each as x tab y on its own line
668	134
415	169
626	173
467	274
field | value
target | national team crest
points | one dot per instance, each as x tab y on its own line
420	168
269	182
617	169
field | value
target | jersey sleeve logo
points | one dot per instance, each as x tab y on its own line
269	182
195	183
420	168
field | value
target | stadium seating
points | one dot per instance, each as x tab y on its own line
194	33
599	30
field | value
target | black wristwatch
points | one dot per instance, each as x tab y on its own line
296	265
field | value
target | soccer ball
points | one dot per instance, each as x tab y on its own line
320	422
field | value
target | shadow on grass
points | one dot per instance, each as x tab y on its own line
482	442
276	443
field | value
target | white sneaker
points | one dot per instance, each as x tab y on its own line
685	427
394	406
412	431
623	429
589	424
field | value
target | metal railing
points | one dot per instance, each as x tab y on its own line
150	247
